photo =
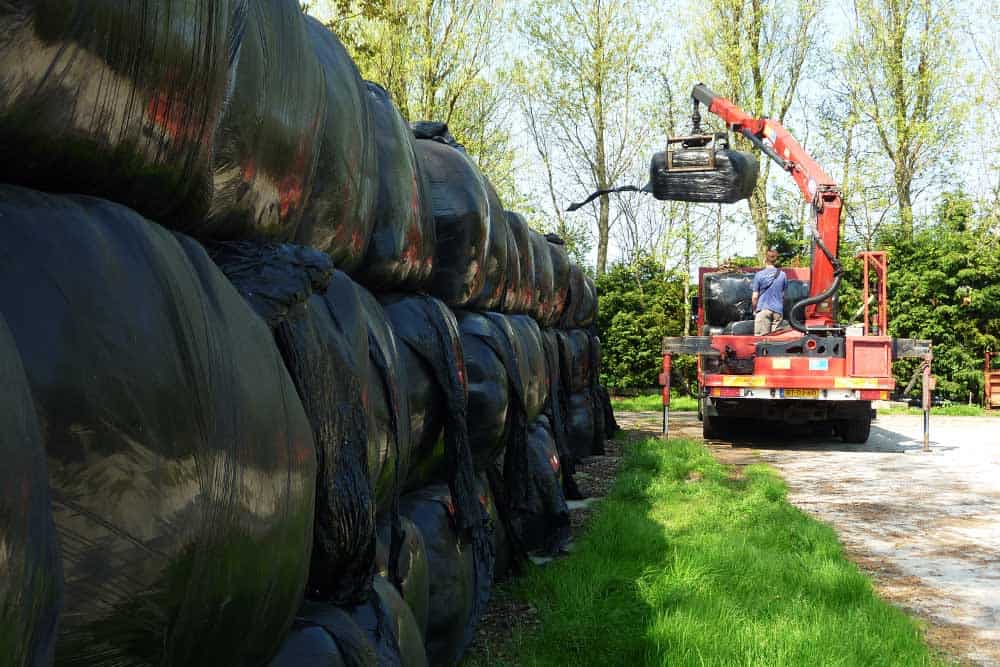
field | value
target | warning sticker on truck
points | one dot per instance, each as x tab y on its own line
819	364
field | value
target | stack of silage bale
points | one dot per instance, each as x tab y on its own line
287	383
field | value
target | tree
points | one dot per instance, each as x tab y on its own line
945	285
580	88
639	305
436	58
904	77
756	59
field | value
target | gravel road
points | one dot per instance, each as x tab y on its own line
926	526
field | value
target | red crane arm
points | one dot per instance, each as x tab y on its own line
816	186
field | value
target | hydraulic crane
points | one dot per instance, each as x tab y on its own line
815	369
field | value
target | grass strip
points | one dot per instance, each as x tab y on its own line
653	403
943	410
687	562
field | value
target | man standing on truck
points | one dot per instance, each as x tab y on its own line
768	296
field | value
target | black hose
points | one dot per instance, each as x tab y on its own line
838	272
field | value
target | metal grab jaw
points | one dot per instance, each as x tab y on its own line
691	146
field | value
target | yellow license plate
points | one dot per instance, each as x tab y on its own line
802	393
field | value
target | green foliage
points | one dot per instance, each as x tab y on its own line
639	305
944	284
685	564
653	403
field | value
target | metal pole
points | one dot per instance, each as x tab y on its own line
927	402
665	382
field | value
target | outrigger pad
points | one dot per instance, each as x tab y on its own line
733	178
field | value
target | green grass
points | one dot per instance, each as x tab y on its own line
944	410
653	402
685	563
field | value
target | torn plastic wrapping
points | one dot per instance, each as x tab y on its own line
600	432
544	282
580	424
178	450
733	178
119	100
521	290
389	441
322	333
31	585
401	252
435	131
556	409
340	212
269	140
501	543
493	293
560	281
527	337
460	577
461	210
544	523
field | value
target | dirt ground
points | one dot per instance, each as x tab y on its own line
925	526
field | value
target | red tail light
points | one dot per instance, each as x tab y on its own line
874	395
726	392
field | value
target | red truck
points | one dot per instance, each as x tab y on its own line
812	369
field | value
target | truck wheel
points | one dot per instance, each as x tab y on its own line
712	427
855	430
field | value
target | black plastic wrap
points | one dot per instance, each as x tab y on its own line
520	297
461	210
340	212
269	141
557	409
377	633
543	286
411	567
560	281
503	556
528	339
727	298
576	360
322	333
600	431
544	523
586	309
388	405
580	424
117	99
733	178
460	577
428	413
181	462
31	583
401	252
493	294
489	390
429	328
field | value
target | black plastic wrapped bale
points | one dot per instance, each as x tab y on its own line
732	179
503	556
401	252
321	330
340	212
428	413
513	293
459	580
576	362
181	462
544	523
409	635
489	392
560	281
461	210
521	298
493	293
411	566
429	328
117	99
543	285
586	310
388	405
313	646
531	350
31	584
795	291
269	141
580	424
726	297
557	409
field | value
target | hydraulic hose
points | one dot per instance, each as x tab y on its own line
838	272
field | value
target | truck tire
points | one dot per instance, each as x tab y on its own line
855	430
712	427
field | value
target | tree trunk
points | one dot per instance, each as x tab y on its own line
758	213
904	182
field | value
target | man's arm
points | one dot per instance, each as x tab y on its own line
755	286
753	301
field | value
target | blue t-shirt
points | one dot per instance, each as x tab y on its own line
769	283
